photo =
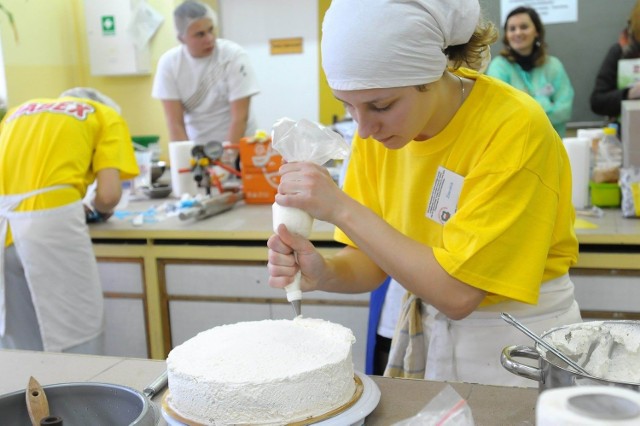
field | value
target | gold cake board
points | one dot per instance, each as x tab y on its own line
309	420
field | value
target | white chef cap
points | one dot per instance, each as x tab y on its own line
93	94
190	11
369	44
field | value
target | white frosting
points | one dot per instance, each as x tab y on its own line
263	372
607	350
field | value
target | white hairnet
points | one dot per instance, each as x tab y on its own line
369	44
190	11
93	94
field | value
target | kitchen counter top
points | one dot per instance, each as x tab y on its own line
253	222
400	398
242	222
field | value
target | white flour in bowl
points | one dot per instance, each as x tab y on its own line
606	349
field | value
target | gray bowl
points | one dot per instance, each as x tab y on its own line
81	404
157	170
158	190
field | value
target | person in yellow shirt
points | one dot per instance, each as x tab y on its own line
51	150
458	187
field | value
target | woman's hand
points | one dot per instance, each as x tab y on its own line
309	187
289	253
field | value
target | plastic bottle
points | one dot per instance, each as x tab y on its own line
609	157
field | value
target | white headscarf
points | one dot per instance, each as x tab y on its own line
369	44
190	11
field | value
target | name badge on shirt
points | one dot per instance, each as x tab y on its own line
445	193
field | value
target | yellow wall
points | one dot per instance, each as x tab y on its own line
52	56
45	60
329	106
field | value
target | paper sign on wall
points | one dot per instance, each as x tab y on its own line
282	46
108	25
550	11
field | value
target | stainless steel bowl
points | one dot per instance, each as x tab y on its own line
158	190
552	372
157	170
80	404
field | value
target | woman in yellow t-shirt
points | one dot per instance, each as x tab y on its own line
458	188
50	151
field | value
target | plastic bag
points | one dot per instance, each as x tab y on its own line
303	141
307	141
447	408
608	158
630	190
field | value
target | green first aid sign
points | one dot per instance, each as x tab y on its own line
108	25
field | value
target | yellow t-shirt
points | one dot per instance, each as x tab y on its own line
513	227
63	141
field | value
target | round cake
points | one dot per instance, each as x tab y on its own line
262	372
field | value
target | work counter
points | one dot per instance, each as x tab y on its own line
490	405
253	222
167	279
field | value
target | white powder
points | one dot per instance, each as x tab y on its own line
264	372
607	350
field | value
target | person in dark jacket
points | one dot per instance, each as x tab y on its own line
607	97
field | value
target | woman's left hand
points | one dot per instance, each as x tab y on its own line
309	187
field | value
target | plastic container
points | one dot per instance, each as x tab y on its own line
605	194
608	159
145	140
148	142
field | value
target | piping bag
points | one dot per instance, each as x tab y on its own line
302	140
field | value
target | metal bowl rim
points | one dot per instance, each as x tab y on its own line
146	404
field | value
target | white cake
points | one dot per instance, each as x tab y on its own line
262	372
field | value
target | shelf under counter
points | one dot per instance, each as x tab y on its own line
229	245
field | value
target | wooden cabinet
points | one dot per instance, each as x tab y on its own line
164	282
125	311
607	293
206	294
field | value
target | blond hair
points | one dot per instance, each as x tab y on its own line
473	53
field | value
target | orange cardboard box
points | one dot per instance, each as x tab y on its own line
260	164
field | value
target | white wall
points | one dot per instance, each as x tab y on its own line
288	83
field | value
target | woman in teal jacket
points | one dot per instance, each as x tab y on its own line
525	64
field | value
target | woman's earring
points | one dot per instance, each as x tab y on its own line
538	42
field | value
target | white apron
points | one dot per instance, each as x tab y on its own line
60	268
469	350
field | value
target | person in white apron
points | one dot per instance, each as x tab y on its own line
50	292
457	187
206	83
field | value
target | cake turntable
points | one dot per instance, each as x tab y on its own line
353	413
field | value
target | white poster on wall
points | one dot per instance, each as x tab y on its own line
281	38
550	11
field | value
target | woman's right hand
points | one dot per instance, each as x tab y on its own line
288	253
